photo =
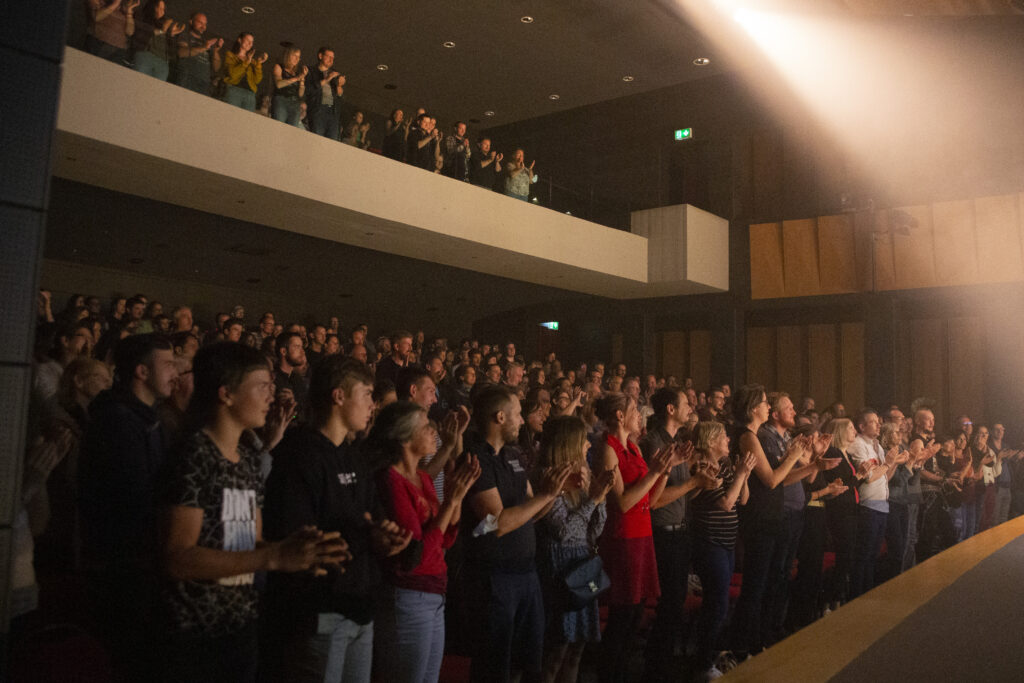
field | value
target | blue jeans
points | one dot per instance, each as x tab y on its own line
324	121
243	98
410	636
287	110
714	565
151	65
870	532
340	650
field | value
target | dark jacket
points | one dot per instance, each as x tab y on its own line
122	461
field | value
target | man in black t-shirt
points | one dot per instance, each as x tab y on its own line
484	165
501	509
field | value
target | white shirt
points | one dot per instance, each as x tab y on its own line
873	494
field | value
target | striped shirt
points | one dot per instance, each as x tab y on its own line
710	522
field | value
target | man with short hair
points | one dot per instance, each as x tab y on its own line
182	316
501	576
774	436
291	358
485	165
964	425
401	346
519	177
317	341
715	411
324	87
456	153
266	326
671	535
198	56
322	626
875	469
233	330
514	372
121	459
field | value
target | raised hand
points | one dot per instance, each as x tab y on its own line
310	548
835	488
177	28
820	444
828	463
462	478
746	464
601	484
387	538
211	43
305	70
554	479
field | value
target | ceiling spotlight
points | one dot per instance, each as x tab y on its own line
488	113
390	86
554	97
527	19
448	44
628	79
382	67
248	10
702	61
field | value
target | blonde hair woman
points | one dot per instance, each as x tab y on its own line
841	510
567	535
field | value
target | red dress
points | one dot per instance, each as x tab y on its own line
627	545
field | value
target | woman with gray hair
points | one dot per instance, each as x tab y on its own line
411	624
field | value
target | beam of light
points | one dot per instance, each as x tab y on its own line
877	87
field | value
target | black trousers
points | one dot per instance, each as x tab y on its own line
672	551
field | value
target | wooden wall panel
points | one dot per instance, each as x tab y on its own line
966	369
928	365
822	364
836	255
800	257
700	358
998	232
956	255
761	356
851	364
789	360
673	354
767	279
882	241
914	253
951	243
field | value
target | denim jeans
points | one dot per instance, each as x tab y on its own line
870	532
151	65
287	110
238	96
910	554
410	636
714	565
340	650
324	121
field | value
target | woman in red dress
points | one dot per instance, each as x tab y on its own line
627	545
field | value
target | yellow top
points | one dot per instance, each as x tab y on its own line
235	69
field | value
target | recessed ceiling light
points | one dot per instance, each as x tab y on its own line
628	79
390	86
702	61
553	97
474	120
382	67
248	10
488	113
527	19
448	44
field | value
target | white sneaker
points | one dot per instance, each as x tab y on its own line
712	673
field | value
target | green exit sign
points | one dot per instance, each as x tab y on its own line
684	133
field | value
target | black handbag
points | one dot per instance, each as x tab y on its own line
583	582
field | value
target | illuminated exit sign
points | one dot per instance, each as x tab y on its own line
684	133
551	325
